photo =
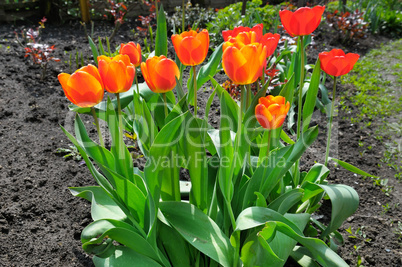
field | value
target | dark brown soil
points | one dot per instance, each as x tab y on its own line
41	222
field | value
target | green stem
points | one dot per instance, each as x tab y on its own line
97	127
165	101
269	142
136	82
299	110
331	116
195	90
120	127
300	104
248	99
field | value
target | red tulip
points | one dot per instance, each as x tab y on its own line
271	42
191	47
133	51
233	33
303	21
117	73
159	74
271	111
84	87
243	64
336	63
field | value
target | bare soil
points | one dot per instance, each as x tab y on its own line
41	222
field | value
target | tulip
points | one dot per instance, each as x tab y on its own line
234	33
133	51
84	87
117	73
303	21
336	63
160	74
191	47
270	41
271	111
243	64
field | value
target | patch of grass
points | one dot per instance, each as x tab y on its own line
377	79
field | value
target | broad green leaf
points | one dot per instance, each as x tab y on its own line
175	245
102	206
344	200
288	90
303	257
286	138
199	230
352	168
161	34
124	257
316	174
284	202
169	136
125	234
311	96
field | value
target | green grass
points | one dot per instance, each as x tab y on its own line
377	94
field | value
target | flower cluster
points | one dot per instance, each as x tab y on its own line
246	184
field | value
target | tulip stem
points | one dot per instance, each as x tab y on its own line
269	143
300	104
331	116
195	90
248	99
97	127
165	101
299	109
120	126
136	82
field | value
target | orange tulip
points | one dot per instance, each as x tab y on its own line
191	47
303	21
242	59
133	51
271	111
159	74
84	87
336	63
117	73
233	33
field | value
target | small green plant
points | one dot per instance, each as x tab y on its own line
70	152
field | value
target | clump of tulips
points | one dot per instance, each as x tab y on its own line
248	202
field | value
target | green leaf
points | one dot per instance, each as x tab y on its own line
199	230
94	49
317	173
284	202
102	206
286	138
311	96
232	107
352	168
175	245
93	235
303	257
161	34
344	200
124	257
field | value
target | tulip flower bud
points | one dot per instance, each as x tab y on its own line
191	47
159	74
117	73
271	111
336	63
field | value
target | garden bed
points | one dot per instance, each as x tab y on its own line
41	222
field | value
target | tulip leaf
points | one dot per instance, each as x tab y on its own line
102	206
352	168
344	200
311	96
93	235
124	257
94	49
161	34
288	90
284	202
289	226
303	257
286	138
199	230
317	173
232	107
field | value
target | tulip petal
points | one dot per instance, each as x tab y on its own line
84	89
232	59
